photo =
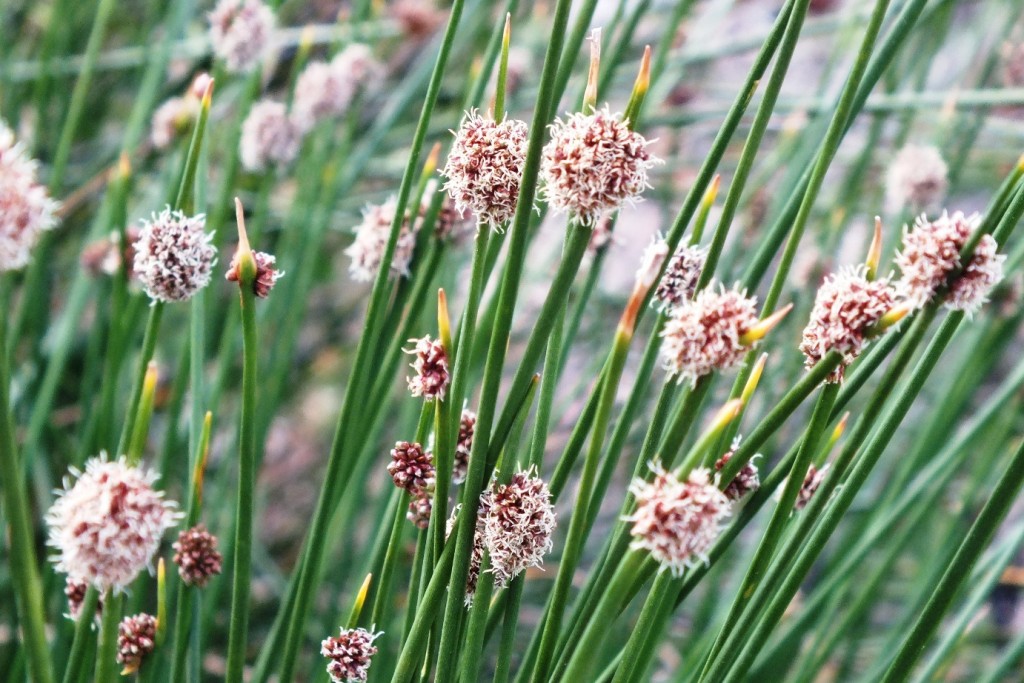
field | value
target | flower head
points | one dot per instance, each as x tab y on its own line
411	467
485	166
679	281
846	308
266	274
326	89
594	163
746	480
173	256
269	137
75	592
241	32
350	653
107	527
812	481
105	256
136	639
650	262
367	250
420	508
677	521
171	119
930	256
464	446
705	333
917	178
431	366
476	558
518	525
195	553
26	210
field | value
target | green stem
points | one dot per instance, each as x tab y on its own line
241	581
83	629
27	585
979	536
106	647
146	355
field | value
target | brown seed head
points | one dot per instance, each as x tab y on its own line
195	553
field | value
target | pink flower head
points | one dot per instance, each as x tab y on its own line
367	250
485	166
411	467
241	32
464	446
107	527
679	281
594	163
518	525
431	367
704	334
350	653
136	639
846	308
917	178
747	480
195	553
677	521
26	210
173	256
266	273
269	137
930	256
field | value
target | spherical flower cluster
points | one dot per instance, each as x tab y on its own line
326	89
269	137
845	309
704	334
75	591
431	367
467	426
411	467
173	256
485	167
367	250
812	481
930	256
195	553
136	639
451	223
420	508
747	480
518	525
171	119
679	281
350	653
677	521
916	178
266	274
26	210
107	527
241	32
594	163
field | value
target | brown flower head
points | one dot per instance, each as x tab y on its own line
420	508
327	89
930	256
241	32
679	281
746	480
431	366
26	210
518	525
704	334
107	527
195	553
594	163
350	653
171	119
75	592
810	486
367	250
846	308
173	256
677	521
916	178
485	166
266	274
464	446
411	467
136	639
269	137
